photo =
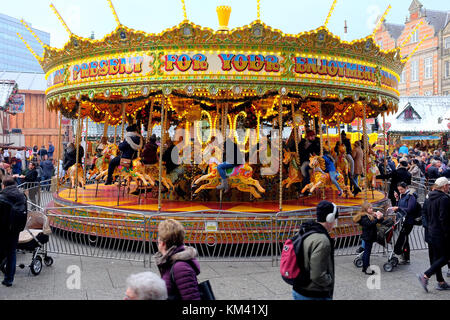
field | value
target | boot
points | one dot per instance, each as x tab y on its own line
224	185
108	181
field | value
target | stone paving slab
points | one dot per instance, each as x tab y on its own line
102	279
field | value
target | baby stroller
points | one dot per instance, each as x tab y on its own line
385	236
33	239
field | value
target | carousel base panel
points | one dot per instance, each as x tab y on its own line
137	218
107	196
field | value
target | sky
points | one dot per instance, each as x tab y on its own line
290	16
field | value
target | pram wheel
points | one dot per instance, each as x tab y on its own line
36	266
388	267
394	261
48	261
358	262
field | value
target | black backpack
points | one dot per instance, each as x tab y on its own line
18	214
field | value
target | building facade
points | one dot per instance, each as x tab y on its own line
14	55
424	73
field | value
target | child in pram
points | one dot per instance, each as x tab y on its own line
368	219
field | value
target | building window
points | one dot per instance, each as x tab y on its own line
414	71
447	43
403	77
415	37
447	69
428	62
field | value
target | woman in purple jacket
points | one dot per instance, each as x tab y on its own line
177	263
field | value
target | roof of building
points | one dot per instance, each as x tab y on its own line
394	30
26	81
436	18
6	89
434	112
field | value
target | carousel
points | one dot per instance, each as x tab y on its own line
253	85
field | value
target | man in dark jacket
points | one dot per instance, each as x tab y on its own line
307	148
433	171
47	171
233	159
438	218
129	147
401	174
70	156
316	281
42	152
10	227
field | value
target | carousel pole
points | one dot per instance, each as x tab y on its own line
338	126
280	150
295	133
321	140
150	121
60	149
366	147
105	128
163	100
123	120
86	146
385	152
77	139
115	134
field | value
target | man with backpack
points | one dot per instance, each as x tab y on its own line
314	256
13	218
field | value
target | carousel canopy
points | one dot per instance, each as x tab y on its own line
196	66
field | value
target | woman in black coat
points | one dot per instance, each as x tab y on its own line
368	220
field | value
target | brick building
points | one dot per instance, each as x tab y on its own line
425	72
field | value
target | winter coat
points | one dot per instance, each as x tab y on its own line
70	157
406	205
51	150
433	173
14	196
150	154
438	215
369	227
399	175
416	173
184	273
425	223
358	158
348	145
47	168
306	153
318	264
31	176
131	145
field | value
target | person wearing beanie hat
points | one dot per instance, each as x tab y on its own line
307	148
317	256
437	211
130	148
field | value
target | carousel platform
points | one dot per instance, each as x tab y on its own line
107	196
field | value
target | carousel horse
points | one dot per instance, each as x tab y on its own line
295	174
372	173
342	164
136	174
73	172
102	163
239	177
152	171
323	180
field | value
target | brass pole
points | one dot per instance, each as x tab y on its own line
280	150
60	149
105	129
385	152
115	134
163	100
295	133
321	140
366	147
86	146
339	129
77	140
150	121
123	120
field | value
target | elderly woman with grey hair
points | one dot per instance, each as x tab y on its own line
145	286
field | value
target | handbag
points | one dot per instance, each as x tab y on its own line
126	163
204	288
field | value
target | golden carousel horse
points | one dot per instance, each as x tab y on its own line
152	171
342	164
102	163
323	180
372	173
71	174
138	173
239	177
295	174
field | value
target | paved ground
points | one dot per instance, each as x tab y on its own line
105	280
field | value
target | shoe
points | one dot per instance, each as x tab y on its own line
356	192
108	182
371	273
404	262
223	185
6	284
423	282
443	286
360	249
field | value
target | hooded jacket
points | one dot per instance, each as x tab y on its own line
317	271
369	227
438	215
407	203
131	145
185	272
9	196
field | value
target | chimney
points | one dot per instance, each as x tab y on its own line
92	35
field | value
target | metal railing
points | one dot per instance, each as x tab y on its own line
102	232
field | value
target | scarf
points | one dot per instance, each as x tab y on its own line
133	145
